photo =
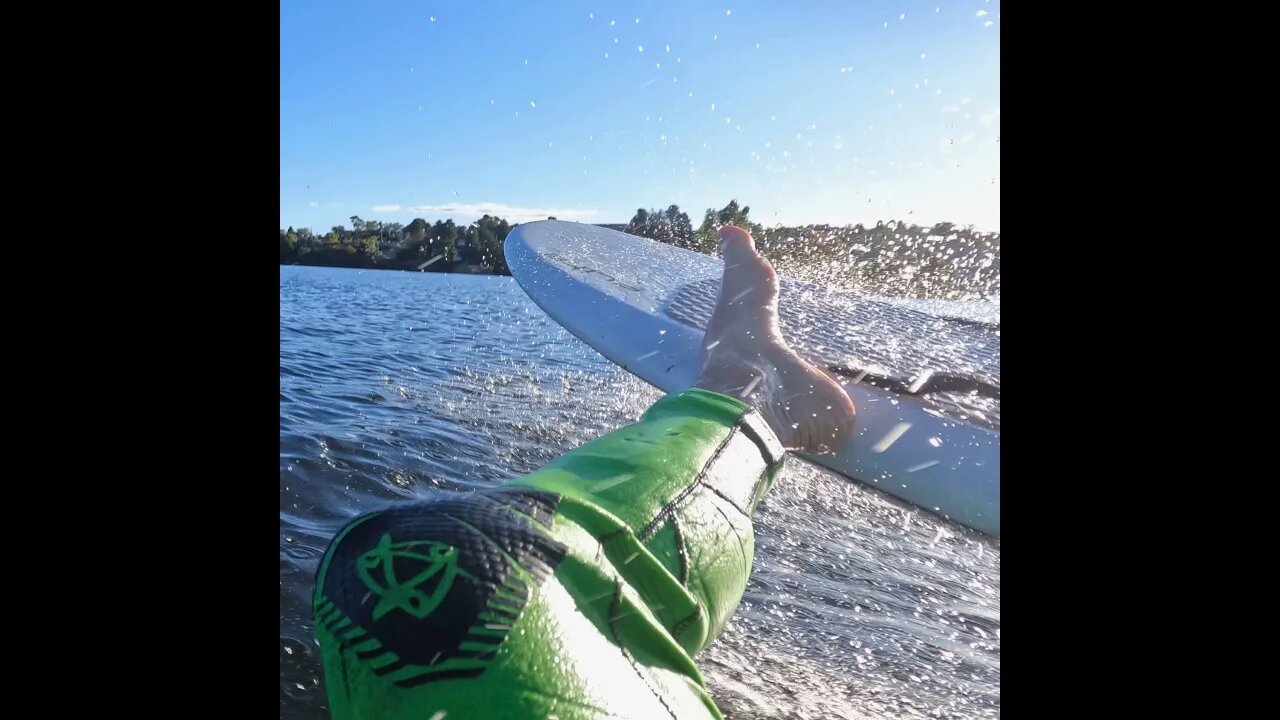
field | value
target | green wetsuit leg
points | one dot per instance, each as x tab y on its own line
581	590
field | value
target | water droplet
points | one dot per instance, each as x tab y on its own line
891	437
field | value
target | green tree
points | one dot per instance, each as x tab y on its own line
639	224
416	230
444	239
288	246
713	220
491	234
669	226
366	246
680	227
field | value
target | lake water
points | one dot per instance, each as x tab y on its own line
398	386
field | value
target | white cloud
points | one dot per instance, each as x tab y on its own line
313	203
991	117
386	208
473	211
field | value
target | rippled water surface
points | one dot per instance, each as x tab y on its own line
398	386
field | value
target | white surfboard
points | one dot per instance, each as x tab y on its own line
927	387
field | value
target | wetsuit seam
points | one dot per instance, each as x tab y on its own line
750	423
727	499
617	639
651	528
654	525
678	629
680	549
745	560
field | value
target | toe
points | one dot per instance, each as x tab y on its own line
736	244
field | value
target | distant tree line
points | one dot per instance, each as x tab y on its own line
473	248
892	258
674	227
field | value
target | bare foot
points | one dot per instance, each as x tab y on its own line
743	355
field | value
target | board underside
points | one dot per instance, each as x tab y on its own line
931	382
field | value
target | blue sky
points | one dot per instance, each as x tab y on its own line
836	111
